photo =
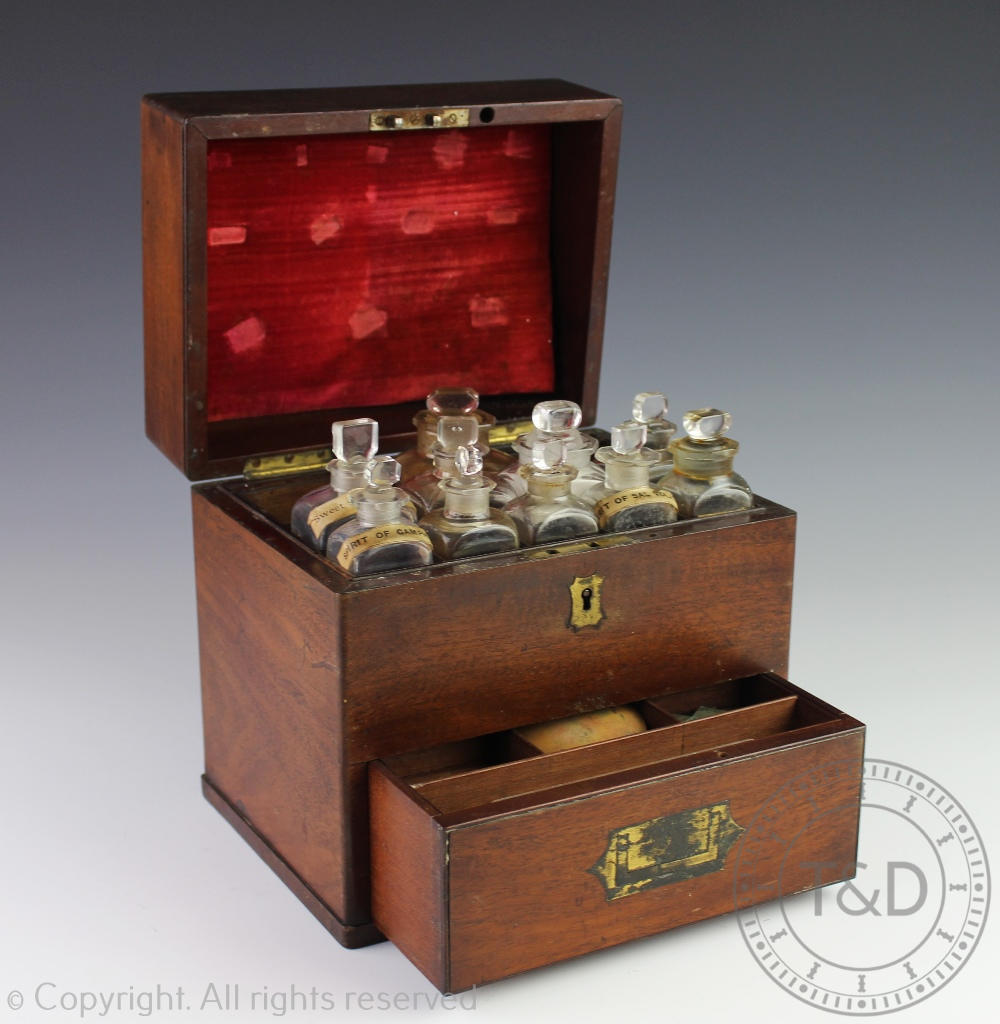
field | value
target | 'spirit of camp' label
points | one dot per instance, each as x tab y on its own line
376	536
615	503
333	511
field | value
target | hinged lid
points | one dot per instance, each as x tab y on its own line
325	254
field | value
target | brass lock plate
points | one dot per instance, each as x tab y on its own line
406	120
586	608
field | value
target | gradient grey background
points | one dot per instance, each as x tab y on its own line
807	234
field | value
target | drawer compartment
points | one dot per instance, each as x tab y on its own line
488	860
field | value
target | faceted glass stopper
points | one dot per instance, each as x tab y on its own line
355	439
707	424
649	406
628	438
556	416
453	431
453	401
548	453
469	460
384	471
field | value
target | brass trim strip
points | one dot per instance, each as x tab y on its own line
268	467
508	433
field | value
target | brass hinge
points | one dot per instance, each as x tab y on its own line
433	117
508	433
264	467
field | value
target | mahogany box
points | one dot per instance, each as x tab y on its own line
322	254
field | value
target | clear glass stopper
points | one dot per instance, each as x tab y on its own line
355	439
556	416
548	453
453	431
628	438
707	424
469	460
384	472
453	401
649	406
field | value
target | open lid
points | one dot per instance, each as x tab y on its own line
318	255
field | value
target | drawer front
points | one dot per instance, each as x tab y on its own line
505	893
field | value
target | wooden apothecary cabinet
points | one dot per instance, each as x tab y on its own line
317	255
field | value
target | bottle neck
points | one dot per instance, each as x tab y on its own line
550	484
380	505
620	474
659	434
444	463
466	500
580	448
426	423
345	476
703	460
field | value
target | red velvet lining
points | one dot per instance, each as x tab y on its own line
354	270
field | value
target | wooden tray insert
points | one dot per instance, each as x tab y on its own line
457	776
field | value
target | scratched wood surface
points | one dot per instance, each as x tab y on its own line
521	886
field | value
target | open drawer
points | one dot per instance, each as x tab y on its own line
488	859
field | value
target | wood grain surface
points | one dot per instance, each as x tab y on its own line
520	890
163	291
307	676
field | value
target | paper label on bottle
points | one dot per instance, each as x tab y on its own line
377	536
629	498
333	511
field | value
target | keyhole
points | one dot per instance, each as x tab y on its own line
586	594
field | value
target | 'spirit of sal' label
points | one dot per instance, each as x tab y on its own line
621	500
376	537
329	512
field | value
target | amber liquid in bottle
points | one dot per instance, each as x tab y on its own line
703	480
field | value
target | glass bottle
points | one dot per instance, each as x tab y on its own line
650	408
315	514
556	418
466	525
629	501
450	401
549	511
702	480
379	538
452	433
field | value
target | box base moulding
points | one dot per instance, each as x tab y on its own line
351	936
